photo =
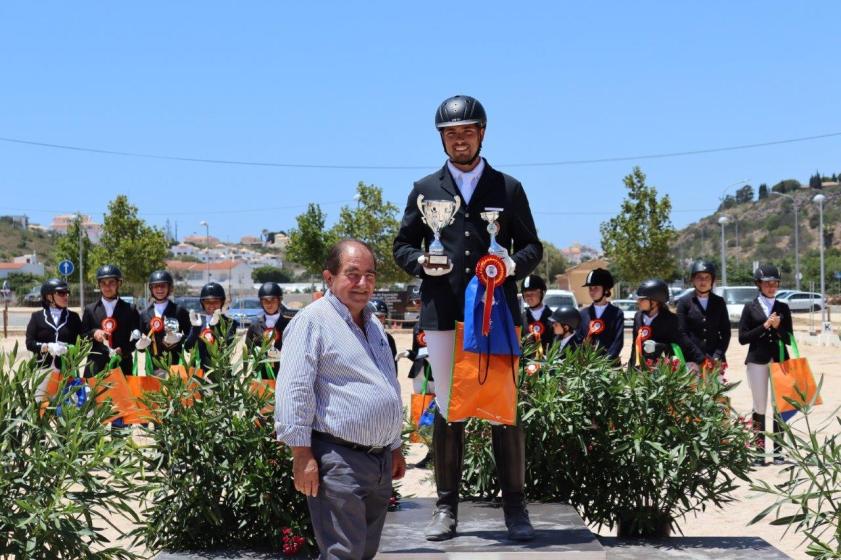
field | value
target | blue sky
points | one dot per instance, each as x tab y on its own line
343	83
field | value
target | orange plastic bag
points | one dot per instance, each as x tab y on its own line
140	384
483	385
187	375
260	387
791	377
115	387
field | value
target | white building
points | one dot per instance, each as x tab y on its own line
63	222
234	275
184	250
25	264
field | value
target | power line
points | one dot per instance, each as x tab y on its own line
188	212
410	167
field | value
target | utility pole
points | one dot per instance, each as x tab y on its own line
81	267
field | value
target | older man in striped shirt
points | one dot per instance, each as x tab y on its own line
338	406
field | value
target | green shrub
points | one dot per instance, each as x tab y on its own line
217	476
810	499
617	444
63	478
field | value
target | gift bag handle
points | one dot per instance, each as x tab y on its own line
426	372
679	353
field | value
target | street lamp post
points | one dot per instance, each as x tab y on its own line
723	221
796	239
207	245
819	199
81	267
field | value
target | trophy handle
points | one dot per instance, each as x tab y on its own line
458	205
420	207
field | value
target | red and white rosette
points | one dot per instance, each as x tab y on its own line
490	270
643	334
596	327
109	326
208	336
536	329
421	339
156	325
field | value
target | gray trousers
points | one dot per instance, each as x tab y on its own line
348	513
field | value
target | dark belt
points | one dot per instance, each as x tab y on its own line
330	438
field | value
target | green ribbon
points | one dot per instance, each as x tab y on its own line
679	353
795	351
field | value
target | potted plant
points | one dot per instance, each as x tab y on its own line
637	449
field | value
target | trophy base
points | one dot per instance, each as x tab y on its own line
436	260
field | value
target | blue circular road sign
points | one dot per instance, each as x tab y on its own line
65	267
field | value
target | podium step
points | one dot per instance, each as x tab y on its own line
482	535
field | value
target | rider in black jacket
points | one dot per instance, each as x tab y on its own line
702	317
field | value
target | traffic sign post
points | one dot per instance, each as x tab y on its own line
66	268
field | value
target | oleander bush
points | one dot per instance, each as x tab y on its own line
638	448
217	478
63	478
809	499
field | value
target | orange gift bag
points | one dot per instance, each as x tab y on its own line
793	379
139	385
115	387
483	385
421	414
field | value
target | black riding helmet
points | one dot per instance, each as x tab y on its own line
533	282
108	271
161	277
566	315
702	266
50	287
654	289
460	110
378	306
270	289
599	277
212	290
766	272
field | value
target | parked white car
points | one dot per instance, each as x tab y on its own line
629	308
556	298
736	297
802	301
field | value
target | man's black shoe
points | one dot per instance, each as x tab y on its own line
519	525
442	527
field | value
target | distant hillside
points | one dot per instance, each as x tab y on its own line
15	241
763	230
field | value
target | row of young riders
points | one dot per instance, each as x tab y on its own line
162	330
700	328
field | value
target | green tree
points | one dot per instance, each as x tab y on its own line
815	181
763	191
744	194
375	222
21	282
637	241
554	260
269	274
129	243
310	241
67	247
786	185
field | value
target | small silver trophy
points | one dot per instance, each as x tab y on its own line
438	214
491	215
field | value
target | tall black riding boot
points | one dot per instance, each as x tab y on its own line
758	427
448	456
779	458
510	456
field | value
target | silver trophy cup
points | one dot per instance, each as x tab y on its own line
438	214
491	215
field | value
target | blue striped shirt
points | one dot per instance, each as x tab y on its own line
337	379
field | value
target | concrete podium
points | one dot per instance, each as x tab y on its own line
482	535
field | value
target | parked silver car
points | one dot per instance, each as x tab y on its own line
629	308
802	301
736	297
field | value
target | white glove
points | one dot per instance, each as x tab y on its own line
403	354
172	338
422	353
57	348
143	343
135	335
434	271
510	265
112	352
214	319
649	346
273	354
195	320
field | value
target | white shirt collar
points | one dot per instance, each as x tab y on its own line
466	181
109	305
536	312
160	308
599	309
271	320
767	304
648	320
